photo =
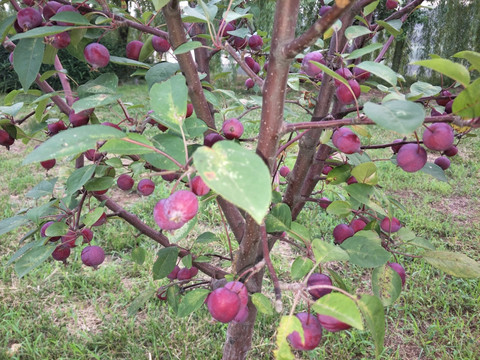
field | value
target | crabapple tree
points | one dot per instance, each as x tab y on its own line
193	138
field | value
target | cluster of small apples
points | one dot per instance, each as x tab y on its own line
229	303
6	139
342	232
182	274
91	255
145	186
133	48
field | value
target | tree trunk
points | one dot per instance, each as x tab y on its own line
239	337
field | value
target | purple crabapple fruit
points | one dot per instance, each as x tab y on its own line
447	95
186	273
343	72
451	151
55	127
212	138
79	119
181	206
390	226
93	256
284	171
345	96
101	220
332	324
240	289
43	231
69	239
448	107
93	155
400	271
239	43
242	315
346	141
160	44
312	332
173	274
443	162
434	112
223	304
100	192
66	8
28	2
189	110
256	68
265	66
224	29
341	233
161	218
5	139
48	164
96	55
133	49
146	187
250	62
339	133
438	136
308	67
125	182
324	202
87	235
357	225
232	128
60	40
29	18
323	10
411	157
319	279
61	253
50	9
391	4
249	83
255	42
395	148
171	176
351	180
360	74
199	187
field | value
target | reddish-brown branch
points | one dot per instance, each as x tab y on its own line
271	269
64	81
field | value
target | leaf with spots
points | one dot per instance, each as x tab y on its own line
237	174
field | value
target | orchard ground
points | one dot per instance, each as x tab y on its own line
73	312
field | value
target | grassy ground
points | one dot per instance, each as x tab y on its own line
73	312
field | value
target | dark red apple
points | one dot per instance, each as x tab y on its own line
390	225
400	271
160	44
161	218
199	187
332	324
443	162
146	187
125	182
438	136
181	206
312	332
133	49
96	55
308	67
411	157
29	18
223	304
341	233
319	279
93	256
232	128
255	42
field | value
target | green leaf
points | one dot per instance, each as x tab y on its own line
57	229
92	217
166	260
79	177
339	174
138	255
27	58
188	46
332	73
11	110
279	219
94	101
299	232
33	258
339	208
355	31
365	251
338	282
301	267
227	166
161	72
159	4
192	301
24	249
452	263
288	324
324	252
71	142
187	261
435	171
386	284
467	103
41	32
421	89
70	17
366	173
360	192
170	144
370	8
139	302
124	147
393	27
128	62
44	188
374	315
449	68
380	70
421	243
104	84
206	237
472	57
363	51
194	127
262	303
173	297
341	307
99	183
404	117
169	100
5	26
9	224
232	15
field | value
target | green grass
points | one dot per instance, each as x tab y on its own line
73	312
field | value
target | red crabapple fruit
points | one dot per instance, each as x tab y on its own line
146	187
93	256
312	332
96	55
